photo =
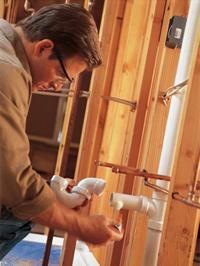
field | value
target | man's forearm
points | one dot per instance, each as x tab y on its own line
95	229
60	217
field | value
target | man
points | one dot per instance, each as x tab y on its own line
47	49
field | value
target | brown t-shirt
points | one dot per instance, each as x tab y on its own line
21	188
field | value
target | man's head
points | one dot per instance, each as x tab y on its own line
60	36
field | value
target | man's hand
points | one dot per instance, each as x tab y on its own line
84	204
96	230
69	188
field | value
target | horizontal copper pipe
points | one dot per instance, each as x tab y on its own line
187	201
132	171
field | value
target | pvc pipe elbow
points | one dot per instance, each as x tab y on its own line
70	200
93	185
79	193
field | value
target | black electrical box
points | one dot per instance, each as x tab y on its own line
176	32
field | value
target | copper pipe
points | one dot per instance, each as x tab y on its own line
187	201
132	171
48	247
155	187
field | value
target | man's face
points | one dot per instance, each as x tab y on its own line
53	73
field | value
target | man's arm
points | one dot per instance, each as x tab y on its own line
21	188
93	229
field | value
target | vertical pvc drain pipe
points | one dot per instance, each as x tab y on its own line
171	135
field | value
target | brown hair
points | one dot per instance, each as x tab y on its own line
69	26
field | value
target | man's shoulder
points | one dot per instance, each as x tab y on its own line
15	85
7	52
12	75
11	48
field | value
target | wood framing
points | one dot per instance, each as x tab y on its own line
63	152
127	80
100	85
137	67
147	144
67	131
101	78
2	9
11	10
123	253
182	221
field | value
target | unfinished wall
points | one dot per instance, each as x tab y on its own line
137	67
136	142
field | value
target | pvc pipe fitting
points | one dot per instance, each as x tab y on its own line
79	193
130	202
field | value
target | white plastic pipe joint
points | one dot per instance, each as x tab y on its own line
79	193
137	203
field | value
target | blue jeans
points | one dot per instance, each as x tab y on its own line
12	230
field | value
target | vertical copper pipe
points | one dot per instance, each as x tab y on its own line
48	247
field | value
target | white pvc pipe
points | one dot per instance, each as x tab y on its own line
171	134
135	203
92	184
79	193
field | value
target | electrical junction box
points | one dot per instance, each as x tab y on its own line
175	32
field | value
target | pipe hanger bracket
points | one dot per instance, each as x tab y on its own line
133	105
165	96
195	203
155	187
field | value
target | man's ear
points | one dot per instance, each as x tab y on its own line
43	47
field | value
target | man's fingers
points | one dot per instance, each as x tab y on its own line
117	234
